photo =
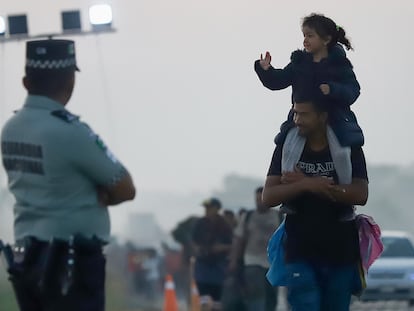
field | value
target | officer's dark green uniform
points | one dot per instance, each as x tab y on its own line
55	165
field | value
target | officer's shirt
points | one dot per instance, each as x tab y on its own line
54	165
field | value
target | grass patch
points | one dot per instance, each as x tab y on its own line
7	299
116	296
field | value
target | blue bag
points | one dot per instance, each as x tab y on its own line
277	274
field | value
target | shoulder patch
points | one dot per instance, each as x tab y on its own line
104	148
64	115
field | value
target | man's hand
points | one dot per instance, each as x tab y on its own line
319	185
291	177
325	89
265	62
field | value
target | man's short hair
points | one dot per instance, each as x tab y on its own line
311	95
47	82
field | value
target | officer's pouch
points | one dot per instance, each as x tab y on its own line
51	267
26	251
21	261
88	246
90	264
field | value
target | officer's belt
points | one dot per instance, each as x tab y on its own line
81	244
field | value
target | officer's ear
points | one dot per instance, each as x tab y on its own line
26	83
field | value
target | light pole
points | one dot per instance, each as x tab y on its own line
100	18
15	28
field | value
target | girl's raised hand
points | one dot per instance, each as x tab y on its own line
265	62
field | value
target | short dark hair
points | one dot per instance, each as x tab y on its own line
48	82
324	27
311	95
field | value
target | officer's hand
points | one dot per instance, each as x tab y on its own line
265	62
325	89
103	196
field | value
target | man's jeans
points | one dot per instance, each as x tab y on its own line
259	294
320	287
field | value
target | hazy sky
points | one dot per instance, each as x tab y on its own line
173	91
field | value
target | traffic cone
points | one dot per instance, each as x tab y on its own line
195	297
170	299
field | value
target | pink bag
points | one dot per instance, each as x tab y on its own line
370	244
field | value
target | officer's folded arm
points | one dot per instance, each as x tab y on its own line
123	190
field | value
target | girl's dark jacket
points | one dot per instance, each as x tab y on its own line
336	70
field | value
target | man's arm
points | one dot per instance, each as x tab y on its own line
123	190
355	193
113	182
237	252
275	192
238	244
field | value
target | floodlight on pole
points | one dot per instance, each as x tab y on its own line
71	21
2	26
100	17
17	25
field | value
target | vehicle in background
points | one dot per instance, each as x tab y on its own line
391	277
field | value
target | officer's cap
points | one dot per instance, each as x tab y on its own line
51	55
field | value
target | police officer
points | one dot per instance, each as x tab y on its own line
63	178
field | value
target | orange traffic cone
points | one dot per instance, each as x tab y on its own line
170	299
195	297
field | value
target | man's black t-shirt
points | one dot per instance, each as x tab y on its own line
209	231
315	231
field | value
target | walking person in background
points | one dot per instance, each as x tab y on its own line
183	234
323	65
212	237
151	267
230	217
320	182
63	179
250	244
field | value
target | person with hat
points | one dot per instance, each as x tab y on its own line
212	238
63	178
